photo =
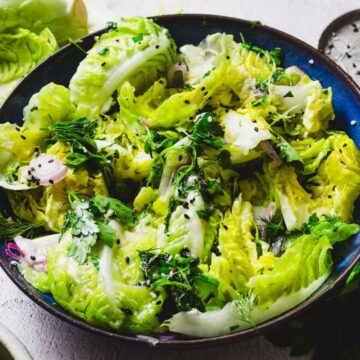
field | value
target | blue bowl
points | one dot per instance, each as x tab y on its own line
185	29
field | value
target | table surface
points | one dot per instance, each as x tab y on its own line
48	338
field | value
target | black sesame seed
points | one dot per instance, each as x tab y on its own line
228	57
103	64
32	257
29	172
157	46
118	241
51	161
358	73
127	259
180	157
348	55
340	151
51	181
185	205
39	165
32	169
256	129
158	302
225	227
329	196
161	82
331	46
354	65
345	145
186	216
203	88
191	118
187	102
205	93
127	311
254	121
23	137
348	46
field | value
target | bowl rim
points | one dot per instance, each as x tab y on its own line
217	340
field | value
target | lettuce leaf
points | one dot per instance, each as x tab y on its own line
21	50
305	260
65	18
118	57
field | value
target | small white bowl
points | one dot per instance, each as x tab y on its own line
10	346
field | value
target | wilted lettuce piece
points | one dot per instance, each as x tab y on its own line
294	201
13	147
333	227
65	18
147	103
243	133
21	50
209	54
49	204
39	280
305	260
181	108
235	266
312	152
136	50
17	144
188	230
50	105
307	98
107	291
336	184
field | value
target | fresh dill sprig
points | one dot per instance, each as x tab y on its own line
79	134
245	304
9	228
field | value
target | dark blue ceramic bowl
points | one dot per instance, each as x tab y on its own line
60	67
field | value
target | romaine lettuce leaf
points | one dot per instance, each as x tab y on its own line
305	260
336	184
21	50
295	202
135	50
65	18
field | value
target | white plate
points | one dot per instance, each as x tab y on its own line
10	346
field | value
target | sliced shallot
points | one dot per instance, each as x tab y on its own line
267	147
177	74
46	170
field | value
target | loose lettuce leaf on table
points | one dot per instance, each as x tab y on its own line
21	50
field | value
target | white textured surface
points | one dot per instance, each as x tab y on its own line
48	338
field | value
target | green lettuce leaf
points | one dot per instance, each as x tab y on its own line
118	57
305	260
21	50
65	18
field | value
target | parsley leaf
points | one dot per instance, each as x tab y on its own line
224	159
180	276
206	131
138	38
287	152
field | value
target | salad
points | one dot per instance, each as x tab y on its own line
196	190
